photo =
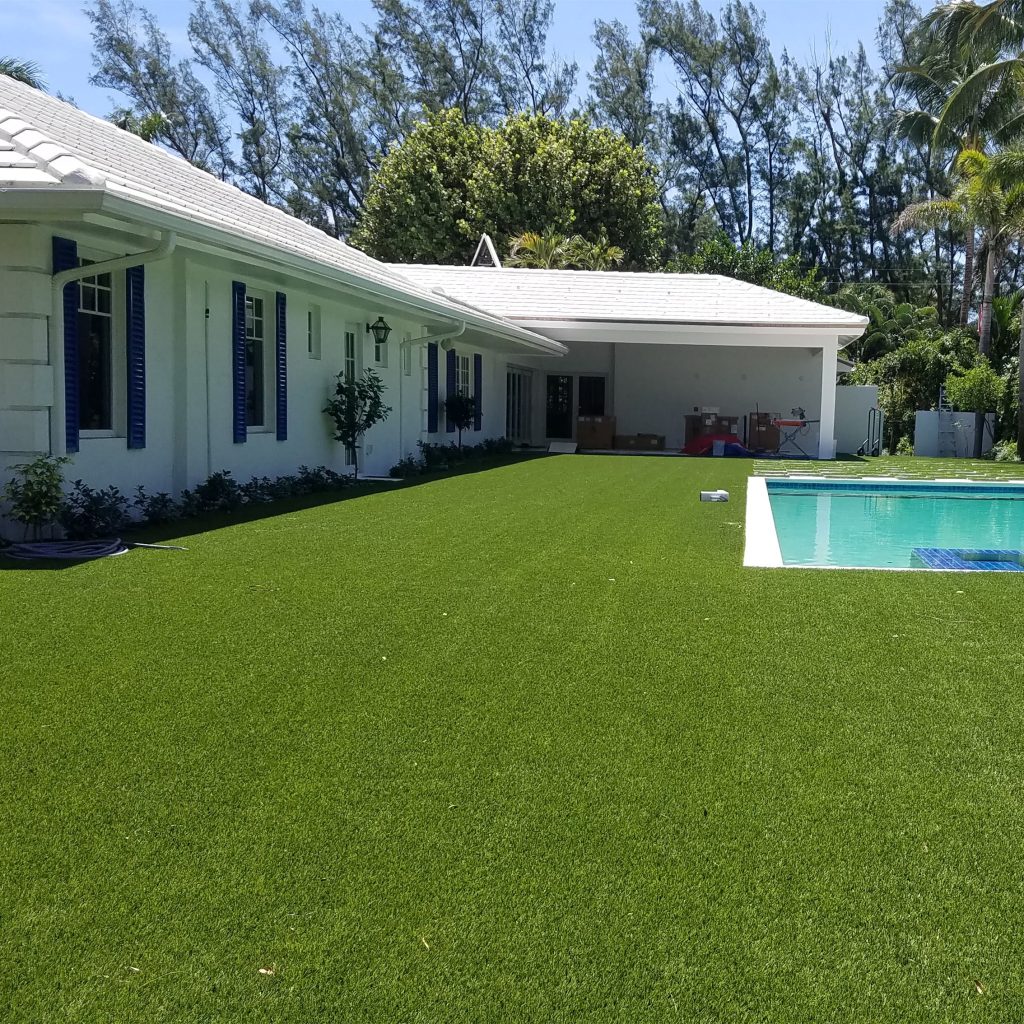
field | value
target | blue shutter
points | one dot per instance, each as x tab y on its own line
282	369
65	256
238	416
450	387
478	390
135	329
431	388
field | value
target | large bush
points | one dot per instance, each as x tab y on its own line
448	182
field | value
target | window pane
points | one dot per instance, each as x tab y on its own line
94	372
254	354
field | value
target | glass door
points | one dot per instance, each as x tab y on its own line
518	407
559	406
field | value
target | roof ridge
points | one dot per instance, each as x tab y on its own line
48	155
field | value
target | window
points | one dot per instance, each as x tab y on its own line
591	396
463	375
255	358
313	332
95	352
351	369
351	366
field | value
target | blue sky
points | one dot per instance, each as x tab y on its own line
55	33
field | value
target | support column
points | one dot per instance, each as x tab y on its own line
827	426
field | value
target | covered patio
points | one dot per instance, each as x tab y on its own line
655	358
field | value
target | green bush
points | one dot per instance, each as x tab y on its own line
35	493
90	512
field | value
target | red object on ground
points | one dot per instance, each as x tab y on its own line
703	443
789	423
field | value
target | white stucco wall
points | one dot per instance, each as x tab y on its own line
853	403
189	370
957	442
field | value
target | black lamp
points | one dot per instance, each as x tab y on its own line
380	329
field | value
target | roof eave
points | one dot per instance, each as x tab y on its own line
202	232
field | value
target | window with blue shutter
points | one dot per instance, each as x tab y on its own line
135	331
282	369
238	409
451	386
478	390
432	402
65	256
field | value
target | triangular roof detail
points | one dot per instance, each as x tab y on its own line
486	255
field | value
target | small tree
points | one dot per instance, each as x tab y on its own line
357	405
979	390
36	493
460	408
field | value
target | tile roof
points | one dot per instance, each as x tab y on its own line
618	296
49	144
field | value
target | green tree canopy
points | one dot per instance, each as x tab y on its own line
755	265
450	181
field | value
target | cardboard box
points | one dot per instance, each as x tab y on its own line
640	442
595	431
762	435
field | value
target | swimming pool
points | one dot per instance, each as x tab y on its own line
886	524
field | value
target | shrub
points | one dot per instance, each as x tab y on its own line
979	389
219	492
155	508
89	512
1005	451
460	408
356	406
36	493
905	446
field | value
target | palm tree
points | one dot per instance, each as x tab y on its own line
547	251
944	125
988	192
599	255
27	72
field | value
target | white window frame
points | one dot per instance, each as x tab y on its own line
266	343
314	344
464	374
118	344
350	363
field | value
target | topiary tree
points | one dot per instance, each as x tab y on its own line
448	182
358	404
460	408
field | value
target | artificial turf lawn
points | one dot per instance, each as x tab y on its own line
522	745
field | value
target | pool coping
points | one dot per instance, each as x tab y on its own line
761	548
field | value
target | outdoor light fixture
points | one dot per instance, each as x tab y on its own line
380	329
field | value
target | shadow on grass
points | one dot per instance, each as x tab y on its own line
165	533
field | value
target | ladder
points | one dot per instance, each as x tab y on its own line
947	431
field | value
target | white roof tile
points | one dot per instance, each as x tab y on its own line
70	148
623	297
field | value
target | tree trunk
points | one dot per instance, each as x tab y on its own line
965	302
1020	390
985	336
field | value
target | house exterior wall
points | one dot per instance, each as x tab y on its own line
189	370
853	403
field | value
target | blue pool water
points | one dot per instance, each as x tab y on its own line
899	525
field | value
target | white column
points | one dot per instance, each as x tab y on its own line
827	426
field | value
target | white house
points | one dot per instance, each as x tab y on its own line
157	325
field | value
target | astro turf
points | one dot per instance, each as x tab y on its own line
526	745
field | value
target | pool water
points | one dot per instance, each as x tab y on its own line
899	525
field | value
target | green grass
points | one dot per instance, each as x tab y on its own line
524	745
903	466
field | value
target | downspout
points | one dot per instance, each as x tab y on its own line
63	277
455	331
206	375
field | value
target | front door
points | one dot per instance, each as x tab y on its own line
559	406
518	408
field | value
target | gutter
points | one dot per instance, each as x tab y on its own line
308	267
163	249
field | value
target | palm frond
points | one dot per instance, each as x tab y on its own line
28	72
